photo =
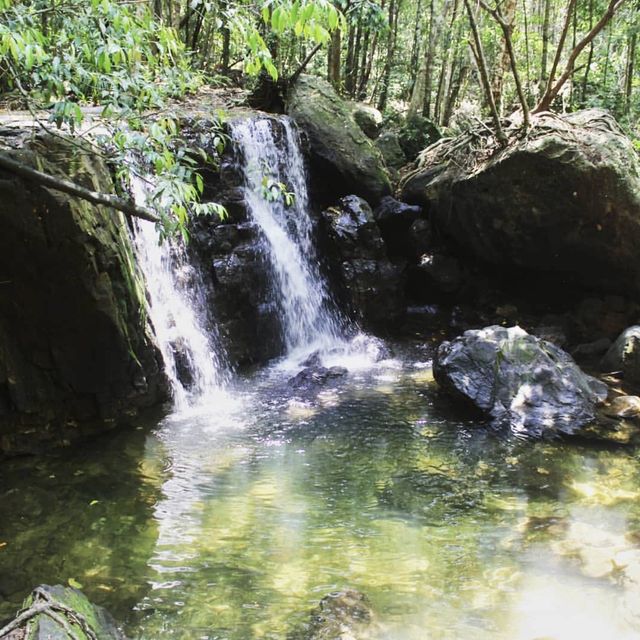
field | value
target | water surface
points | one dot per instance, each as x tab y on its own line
233	519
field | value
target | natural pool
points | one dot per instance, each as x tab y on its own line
234	519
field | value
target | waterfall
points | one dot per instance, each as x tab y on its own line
270	159
176	306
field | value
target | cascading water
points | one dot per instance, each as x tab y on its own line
270	158
191	351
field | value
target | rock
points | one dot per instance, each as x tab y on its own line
624	355
551	333
519	381
372	286
77	354
341	155
235	268
608	317
624	407
388	144
368	118
590	350
438	271
342	615
395	220
565	199
417	133
70	606
315	376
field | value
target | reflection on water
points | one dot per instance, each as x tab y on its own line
235	520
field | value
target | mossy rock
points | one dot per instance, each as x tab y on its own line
343	158
76	351
63	613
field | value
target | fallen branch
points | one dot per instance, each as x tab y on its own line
128	207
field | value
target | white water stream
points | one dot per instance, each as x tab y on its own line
177	308
270	156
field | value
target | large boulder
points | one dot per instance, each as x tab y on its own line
76	350
623	355
342	157
518	381
356	251
565	198
62	613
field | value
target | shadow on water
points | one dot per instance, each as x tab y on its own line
83	514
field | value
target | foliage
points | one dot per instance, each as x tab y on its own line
124	58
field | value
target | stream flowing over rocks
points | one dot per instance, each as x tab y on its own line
301	454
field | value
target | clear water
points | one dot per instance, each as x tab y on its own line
232	520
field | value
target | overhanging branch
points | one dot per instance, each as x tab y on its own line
128	207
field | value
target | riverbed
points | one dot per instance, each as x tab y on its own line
233	518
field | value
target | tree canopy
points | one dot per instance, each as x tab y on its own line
449	61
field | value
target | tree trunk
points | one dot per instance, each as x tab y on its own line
334	60
631	55
502	67
394	7
454	92
478	53
415	49
542	83
434	35
553	89
587	70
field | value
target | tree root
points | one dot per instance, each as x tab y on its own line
43	604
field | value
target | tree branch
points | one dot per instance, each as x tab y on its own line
303	65
484	75
506	32
127	207
552	91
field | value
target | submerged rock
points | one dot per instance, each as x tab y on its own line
341	154
356	252
315	376
564	199
62	613
341	615
624	355
519	381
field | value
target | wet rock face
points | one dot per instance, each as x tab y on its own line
564	200
76	353
518	381
235	270
343	160
372	285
